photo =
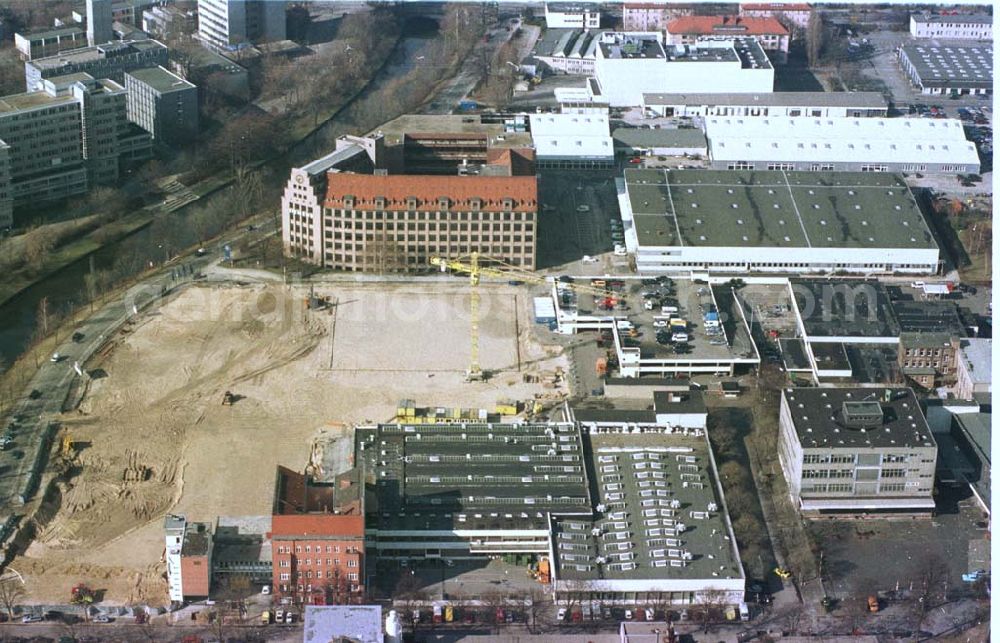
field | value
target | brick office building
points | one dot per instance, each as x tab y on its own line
318	539
381	223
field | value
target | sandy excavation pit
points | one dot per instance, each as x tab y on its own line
156	438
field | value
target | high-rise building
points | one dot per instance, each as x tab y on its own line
99	22
162	103
226	24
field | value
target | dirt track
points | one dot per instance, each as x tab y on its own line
154	437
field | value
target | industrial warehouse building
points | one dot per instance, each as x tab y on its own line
841	144
944	69
660	142
572	140
629	65
800	222
856	451
819	104
656	529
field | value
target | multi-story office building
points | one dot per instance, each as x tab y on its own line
975	369
49	42
318	538
189	558
69	136
99	22
856	451
129	12
929	359
770	33
572	15
793	14
951	27
110	60
397	223
162	103
169	22
652	16
226	24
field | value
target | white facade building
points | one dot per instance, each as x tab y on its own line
227	24
572	15
630	65
572	140
975	368
174	528
957	27
840	104
840	144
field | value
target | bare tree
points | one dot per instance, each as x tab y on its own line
814	38
12	592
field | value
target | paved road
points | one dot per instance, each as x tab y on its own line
35	414
468	76
132	633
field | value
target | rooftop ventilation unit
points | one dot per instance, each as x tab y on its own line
862	415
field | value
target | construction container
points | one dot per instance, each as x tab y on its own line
602	366
545	310
544	573
506	407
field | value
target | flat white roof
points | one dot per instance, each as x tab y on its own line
571	136
547	147
576	125
833	139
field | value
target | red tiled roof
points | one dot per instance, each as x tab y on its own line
709	25
427	189
317	525
776	6
521	161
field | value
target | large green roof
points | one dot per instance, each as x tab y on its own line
775	209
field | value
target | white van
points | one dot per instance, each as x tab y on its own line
679	337
669	310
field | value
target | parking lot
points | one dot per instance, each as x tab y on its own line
854	552
574	219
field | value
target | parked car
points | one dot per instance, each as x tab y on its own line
972	577
103	618
583	208
561	615
31	618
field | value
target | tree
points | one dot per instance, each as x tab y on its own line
38	243
12	592
930	585
814	38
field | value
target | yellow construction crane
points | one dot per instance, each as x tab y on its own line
472	266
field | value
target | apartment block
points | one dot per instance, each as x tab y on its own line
110	60
49	42
769	32
856	451
928	359
162	103
572	15
793	15
189	558
226	24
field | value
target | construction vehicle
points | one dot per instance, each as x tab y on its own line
228	398
66	445
473	265
544	571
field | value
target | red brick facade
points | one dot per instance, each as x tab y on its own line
318	559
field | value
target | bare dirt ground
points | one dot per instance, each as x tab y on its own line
153	436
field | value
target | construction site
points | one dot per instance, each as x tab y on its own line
192	405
